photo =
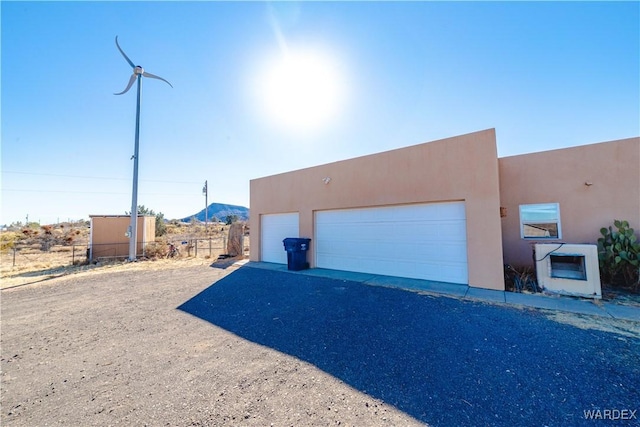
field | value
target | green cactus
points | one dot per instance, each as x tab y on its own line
619	255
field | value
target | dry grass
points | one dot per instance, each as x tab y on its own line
30	264
618	326
43	272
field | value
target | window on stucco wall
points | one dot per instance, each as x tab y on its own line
540	221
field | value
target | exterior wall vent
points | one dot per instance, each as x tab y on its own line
568	269
568	266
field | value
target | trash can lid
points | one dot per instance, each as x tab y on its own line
296	240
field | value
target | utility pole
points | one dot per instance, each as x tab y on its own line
205	191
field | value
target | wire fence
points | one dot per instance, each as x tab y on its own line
35	255
23	255
207	247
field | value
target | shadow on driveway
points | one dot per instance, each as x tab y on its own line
441	360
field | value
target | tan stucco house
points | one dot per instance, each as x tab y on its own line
448	210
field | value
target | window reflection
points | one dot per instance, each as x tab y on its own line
540	221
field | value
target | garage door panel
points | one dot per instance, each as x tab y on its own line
340	263
455	210
274	229
425	241
366	233
424	252
423	231
323	246
452	230
447	252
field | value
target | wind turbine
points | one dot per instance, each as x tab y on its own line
138	73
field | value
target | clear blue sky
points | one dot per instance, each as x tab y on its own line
546	75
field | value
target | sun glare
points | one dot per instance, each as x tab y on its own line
302	91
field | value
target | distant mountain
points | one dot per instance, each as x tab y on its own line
220	211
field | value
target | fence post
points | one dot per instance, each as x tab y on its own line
14	256
73	254
209	246
196	248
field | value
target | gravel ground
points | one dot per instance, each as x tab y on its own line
166	347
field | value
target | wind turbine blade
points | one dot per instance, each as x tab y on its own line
153	76
131	80
124	54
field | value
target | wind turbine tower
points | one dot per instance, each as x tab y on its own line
138	73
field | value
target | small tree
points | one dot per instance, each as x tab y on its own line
230	219
161	228
47	238
619	254
8	239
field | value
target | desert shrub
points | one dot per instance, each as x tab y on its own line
45	245
230	219
8	240
48	238
619	255
173	228
519	279
29	232
157	249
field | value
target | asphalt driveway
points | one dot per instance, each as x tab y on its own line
443	361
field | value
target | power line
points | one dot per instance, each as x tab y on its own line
92	192
99	177
62	175
59	191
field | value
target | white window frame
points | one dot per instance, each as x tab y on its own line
544	221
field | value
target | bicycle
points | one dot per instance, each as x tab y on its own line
173	251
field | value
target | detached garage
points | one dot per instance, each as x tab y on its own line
429	211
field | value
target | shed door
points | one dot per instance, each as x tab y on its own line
425	241
274	229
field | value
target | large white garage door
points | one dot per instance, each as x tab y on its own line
274	229
426	241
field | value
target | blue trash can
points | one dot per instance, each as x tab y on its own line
296	248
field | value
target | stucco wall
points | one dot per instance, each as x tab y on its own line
613	169
459	168
108	234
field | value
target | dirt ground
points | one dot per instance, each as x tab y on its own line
108	347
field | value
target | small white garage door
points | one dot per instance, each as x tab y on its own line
425	241
274	229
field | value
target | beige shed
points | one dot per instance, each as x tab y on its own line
109	239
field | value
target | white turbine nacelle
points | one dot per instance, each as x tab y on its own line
138	70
